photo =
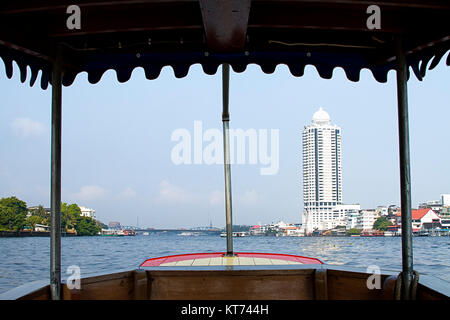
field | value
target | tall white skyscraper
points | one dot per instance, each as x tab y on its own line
322	174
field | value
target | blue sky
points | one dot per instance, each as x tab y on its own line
117	143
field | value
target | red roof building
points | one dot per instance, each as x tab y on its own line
422	219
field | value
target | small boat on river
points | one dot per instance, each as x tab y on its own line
117	232
189	234
235	234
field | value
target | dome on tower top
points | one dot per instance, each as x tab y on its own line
321	117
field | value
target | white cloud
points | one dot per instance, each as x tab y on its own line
89	193
126	194
25	127
174	194
249	197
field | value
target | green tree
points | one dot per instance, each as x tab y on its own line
381	224
70	215
87	226
12	214
71	219
33	220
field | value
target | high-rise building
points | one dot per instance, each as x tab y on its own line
322	173
445	199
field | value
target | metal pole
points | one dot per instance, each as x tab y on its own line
226	155
55	198
405	179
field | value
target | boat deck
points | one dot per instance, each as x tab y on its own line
221	259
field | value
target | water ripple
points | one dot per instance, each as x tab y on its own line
27	259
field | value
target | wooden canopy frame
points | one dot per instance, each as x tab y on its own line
125	34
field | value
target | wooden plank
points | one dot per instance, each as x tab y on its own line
222	272
232	285
216	261
169	264
116	286
140	285
99	19
344	285
287	284
41	294
107	277
425	293
201	262
119	289
229	261
320	284
262	261
279	261
246	261
70	294
184	263
435	4
338	17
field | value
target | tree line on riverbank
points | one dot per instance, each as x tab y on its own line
15	216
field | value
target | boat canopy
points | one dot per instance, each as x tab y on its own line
100	35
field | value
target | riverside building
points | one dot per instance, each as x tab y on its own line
87	212
322	175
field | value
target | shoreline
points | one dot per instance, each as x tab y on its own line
21	234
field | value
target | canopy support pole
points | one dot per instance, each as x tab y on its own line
55	197
405	179
226	155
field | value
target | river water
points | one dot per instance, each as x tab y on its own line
27	259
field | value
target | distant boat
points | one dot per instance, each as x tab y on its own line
235	234
117	232
189	234
128	232
186	234
111	233
145	234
